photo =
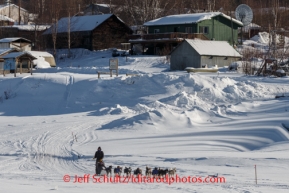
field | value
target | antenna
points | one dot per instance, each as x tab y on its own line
244	14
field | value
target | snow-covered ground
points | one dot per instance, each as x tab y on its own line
203	124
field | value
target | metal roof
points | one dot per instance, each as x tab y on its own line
213	48
4	51
79	23
188	18
8	40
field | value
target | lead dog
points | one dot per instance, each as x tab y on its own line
172	172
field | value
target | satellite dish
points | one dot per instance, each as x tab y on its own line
244	14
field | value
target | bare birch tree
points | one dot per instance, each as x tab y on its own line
211	5
54	11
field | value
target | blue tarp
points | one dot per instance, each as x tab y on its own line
9	64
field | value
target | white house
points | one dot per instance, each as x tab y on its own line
12	11
18	43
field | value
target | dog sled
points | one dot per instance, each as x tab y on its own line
100	169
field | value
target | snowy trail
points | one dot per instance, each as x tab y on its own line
194	123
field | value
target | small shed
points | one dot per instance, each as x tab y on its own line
250	30
18	62
19	43
196	53
4	52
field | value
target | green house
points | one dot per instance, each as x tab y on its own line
213	25
166	33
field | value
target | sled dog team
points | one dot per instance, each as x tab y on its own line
156	172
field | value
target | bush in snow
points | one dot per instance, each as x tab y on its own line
8	94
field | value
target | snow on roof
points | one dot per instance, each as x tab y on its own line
187	18
79	23
39	54
213	48
103	5
5	18
11	5
250	26
29	27
7	40
16	55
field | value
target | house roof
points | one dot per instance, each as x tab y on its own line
8	40
79	23
188	18
39	54
213	48
4	51
3	6
17	55
251	26
28	27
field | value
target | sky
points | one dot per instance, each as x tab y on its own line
223	124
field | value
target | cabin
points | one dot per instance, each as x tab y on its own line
93	32
164	34
18	62
18	43
199	53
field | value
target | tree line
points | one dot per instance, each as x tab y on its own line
137	12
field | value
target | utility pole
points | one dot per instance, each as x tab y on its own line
8	1
232	30
19	20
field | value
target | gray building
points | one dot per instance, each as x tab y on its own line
196	53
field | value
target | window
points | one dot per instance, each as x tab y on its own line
204	29
189	30
156	31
